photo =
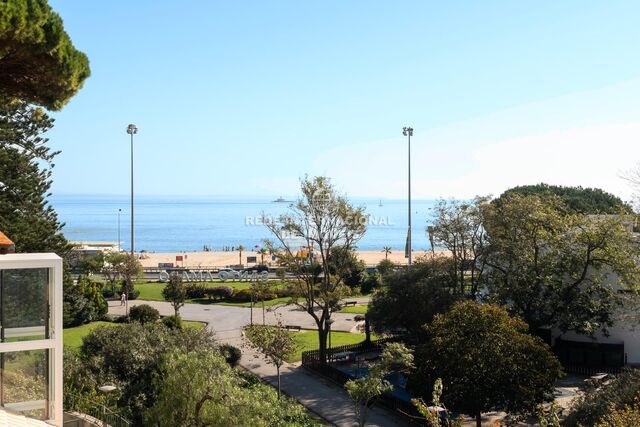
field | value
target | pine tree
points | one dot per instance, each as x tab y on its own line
26	164
38	62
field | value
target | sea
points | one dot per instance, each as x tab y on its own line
193	223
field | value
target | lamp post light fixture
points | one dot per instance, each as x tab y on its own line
106	390
328	323
132	130
408	132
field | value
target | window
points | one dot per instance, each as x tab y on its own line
24	304
31	335
24	382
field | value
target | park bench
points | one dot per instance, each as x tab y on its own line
295	327
348	303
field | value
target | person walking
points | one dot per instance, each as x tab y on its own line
123	299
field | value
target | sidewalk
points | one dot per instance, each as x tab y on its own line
319	395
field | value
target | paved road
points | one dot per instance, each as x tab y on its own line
317	394
314	392
222	318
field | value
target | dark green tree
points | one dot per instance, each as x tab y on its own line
130	357
38	62
346	264
590	201
330	226
458	228
486	360
93	264
82	302
130	269
25	179
409	298
217	395
555	268
175	292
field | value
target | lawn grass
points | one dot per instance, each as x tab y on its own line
193	324
357	309
150	291
308	340
72	337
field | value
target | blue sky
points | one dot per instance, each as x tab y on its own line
243	98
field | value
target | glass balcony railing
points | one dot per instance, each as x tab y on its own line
31	336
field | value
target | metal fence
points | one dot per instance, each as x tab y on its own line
311	360
591	371
88	410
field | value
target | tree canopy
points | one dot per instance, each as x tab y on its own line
175	292
486	360
217	395
38	62
554	268
588	201
458	227
25	179
329	227
130	356
409	298
274	342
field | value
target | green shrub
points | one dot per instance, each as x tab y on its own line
385	266
121	319
132	295
83	301
231	354
596	402
195	291
370	282
219	292
282	292
131	357
144	314
172	322
242	295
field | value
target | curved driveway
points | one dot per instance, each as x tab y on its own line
317	394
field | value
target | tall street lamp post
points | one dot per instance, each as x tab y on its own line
132	130
329	322
408	132
119	212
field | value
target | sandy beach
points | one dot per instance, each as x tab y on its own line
225	259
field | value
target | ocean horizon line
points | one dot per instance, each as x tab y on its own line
271	197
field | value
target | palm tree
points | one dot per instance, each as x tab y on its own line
387	251
262	252
240	249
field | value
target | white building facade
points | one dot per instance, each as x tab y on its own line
31	336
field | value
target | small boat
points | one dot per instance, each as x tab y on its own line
280	200
380	204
